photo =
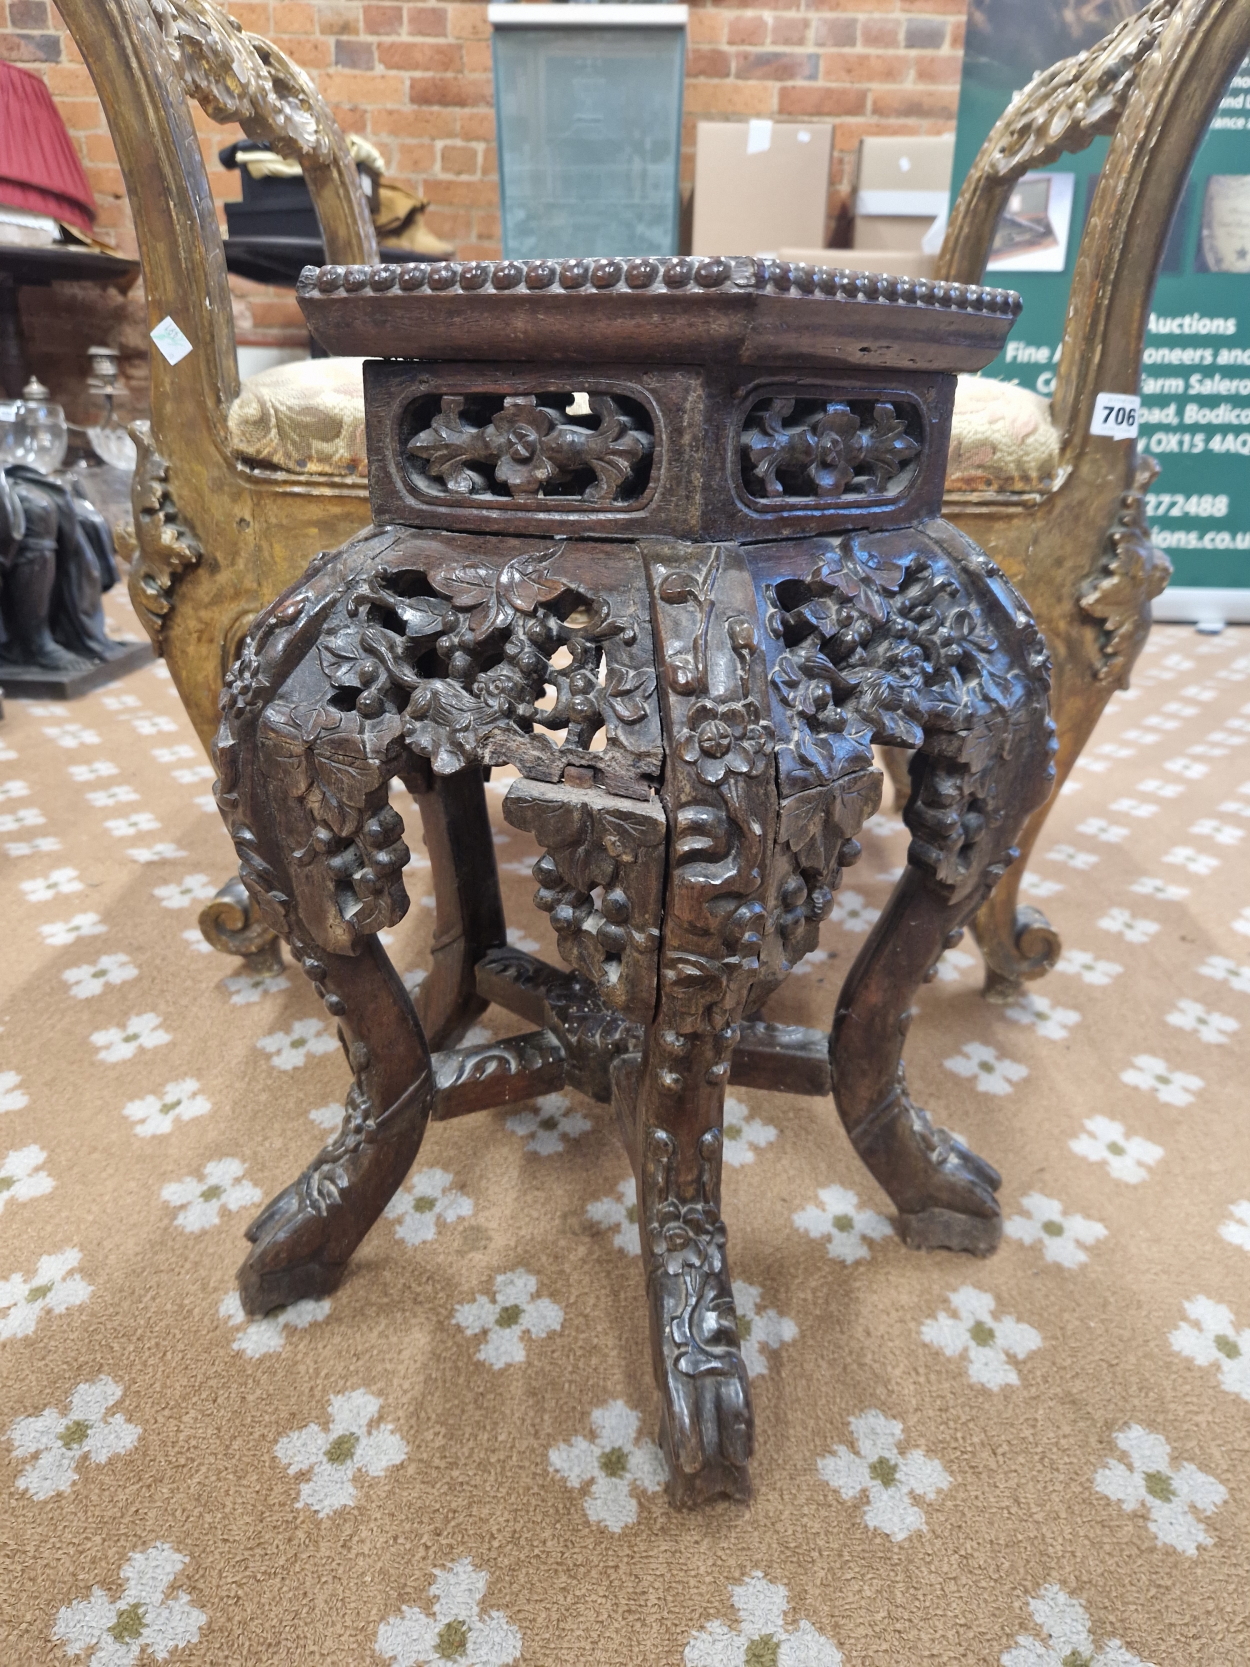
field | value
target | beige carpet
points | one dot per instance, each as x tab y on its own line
1042	1460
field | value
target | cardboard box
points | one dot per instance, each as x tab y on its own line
903	263
760	184
902	186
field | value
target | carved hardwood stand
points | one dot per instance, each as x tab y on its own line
662	537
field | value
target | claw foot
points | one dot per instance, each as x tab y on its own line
303	1239
944	1193
707	1426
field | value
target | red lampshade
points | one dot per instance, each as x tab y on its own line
39	167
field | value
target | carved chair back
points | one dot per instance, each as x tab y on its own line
217	537
1078	547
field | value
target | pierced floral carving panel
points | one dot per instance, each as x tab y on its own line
595	449
817	448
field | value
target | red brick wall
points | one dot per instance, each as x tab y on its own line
416	80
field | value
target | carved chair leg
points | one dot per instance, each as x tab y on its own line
944	1193
229	922
303	1238
469	917
706	1421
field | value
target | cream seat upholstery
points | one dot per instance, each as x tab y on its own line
306	418
1002	439
309	418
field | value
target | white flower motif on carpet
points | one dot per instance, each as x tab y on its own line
1097	827
27	817
1071	857
743	1134
89	980
761	1635
1134	807
614	1463
1227	972
60	932
1160	889
194	888
141	1619
54	1287
60	883
163	851
1236	1230
12	1096
1201	863
985	1338
840	1220
120	1042
21	1176
1069	1638
221	1187
1127	1157
111	796
1242	923
295	1047
1202	1022
1082	964
426	1199
1048	1020
178	1102
991	1073
546	1128
889	1477
620	1213
1060	1236
60	1440
514	1314
850	911
456	1632
1171	1496
336	1453
265	1334
72	735
14	790
1223	833
98	770
248	987
1213	1340
125	827
329	1116
1132	928
1033	885
1154	1076
759	1328
952	965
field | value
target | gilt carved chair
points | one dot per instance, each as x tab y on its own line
663	537
236	488
1061	510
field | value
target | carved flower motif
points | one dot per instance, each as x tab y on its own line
725	738
521	427
830	469
678	1236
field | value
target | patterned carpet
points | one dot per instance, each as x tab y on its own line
1040	1460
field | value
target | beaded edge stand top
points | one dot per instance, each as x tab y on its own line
851	317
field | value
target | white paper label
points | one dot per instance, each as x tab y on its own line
759	135
171	341
1115	416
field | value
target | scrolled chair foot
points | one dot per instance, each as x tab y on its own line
229	922
706	1425
1018	943
944	1193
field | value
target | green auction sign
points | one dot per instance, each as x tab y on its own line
1195	386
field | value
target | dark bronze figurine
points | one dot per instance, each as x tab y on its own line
664	537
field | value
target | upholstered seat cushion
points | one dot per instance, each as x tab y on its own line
307	418
1002	438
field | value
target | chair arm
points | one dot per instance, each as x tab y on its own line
1062	110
